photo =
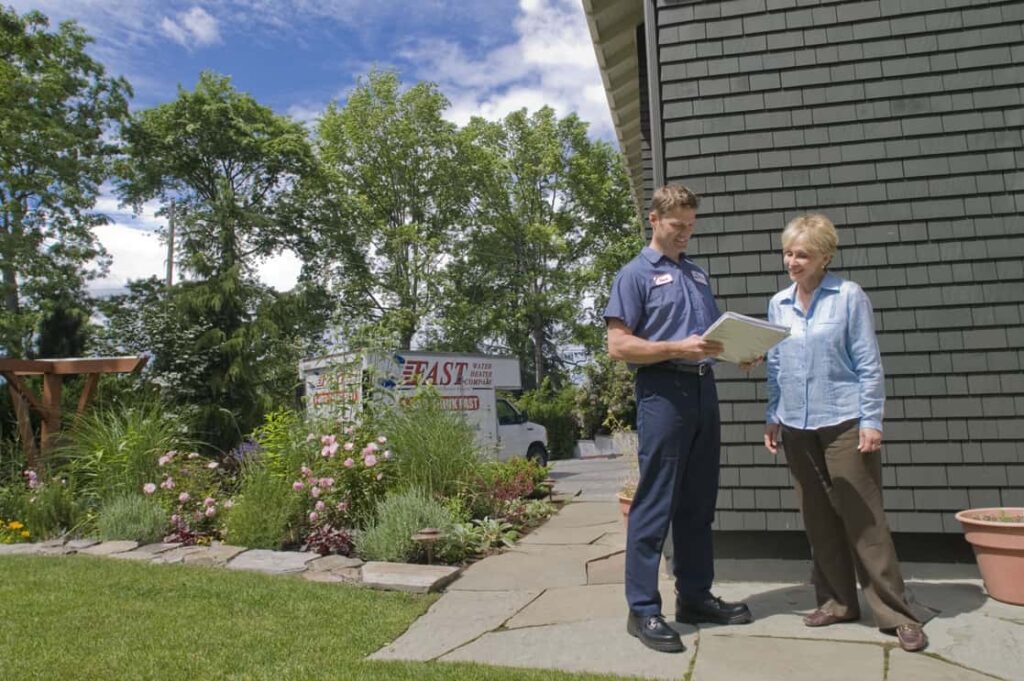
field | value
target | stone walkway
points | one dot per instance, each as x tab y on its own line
311	566
555	601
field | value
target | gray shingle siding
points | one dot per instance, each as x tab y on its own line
902	120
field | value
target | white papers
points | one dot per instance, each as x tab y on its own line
745	338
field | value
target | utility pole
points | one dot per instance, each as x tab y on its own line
170	245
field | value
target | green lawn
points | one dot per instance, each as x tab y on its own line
98	618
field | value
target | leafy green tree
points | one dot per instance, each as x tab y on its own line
223	342
393	194
57	107
552	216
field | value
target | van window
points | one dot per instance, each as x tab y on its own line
507	414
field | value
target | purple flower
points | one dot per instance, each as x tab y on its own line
298	486
314	516
149	488
370	460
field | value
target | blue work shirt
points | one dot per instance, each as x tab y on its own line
661	300
828	370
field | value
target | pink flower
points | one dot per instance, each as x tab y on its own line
327	483
349	463
183	497
209	501
175	518
348	446
372	446
210	511
329	450
168	483
164	460
380	476
348	430
387	453
342	506
382	439
314	492
314	516
212	465
327	440
149	488
228	503
298	486
320	506
305	470
370	460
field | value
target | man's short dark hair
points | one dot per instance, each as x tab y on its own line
672	196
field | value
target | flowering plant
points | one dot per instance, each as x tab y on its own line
13	532
190	491
341	484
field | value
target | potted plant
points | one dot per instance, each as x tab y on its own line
629	483
997	537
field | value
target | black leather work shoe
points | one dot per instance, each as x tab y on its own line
655	633
713	610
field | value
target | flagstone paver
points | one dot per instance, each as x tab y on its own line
147	551
911	667
563	535
530	568
458	617
80	544
595	646
108	548
746	658
407	577
272	562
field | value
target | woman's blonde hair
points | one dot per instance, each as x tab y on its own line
818	231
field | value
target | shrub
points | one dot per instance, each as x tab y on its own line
399	516
49	507
132	516
266	513
435	448
499	482
281	443
190	489
553	410
606	397
114	451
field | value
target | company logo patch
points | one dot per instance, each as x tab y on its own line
700	278
662	279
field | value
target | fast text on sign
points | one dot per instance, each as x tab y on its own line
446	372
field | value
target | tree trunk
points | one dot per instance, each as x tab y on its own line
539	337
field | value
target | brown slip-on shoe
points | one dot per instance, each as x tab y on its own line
820	618
912	637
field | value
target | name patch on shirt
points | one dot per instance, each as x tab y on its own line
700	278
662	279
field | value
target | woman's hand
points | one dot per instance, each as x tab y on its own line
771	437
756	362
870	440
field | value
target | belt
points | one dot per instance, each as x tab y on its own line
698	369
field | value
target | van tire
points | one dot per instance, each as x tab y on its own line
538	452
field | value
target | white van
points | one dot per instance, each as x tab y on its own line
467	384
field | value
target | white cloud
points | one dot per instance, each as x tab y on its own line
196	27
551	62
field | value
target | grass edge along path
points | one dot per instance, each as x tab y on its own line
79	617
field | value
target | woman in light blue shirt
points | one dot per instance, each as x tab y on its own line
825	401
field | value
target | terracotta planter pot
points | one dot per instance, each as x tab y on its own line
624	504
999	549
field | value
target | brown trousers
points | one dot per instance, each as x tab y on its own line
840	494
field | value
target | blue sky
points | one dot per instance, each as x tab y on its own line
489	57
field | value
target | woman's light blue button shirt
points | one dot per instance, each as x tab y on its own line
829	369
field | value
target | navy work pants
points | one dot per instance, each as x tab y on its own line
679	432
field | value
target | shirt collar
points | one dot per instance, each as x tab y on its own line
830	283
654	257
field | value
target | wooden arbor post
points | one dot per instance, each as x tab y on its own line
47	407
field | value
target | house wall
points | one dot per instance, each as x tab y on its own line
901	120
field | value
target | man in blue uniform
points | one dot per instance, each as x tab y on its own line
660	303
